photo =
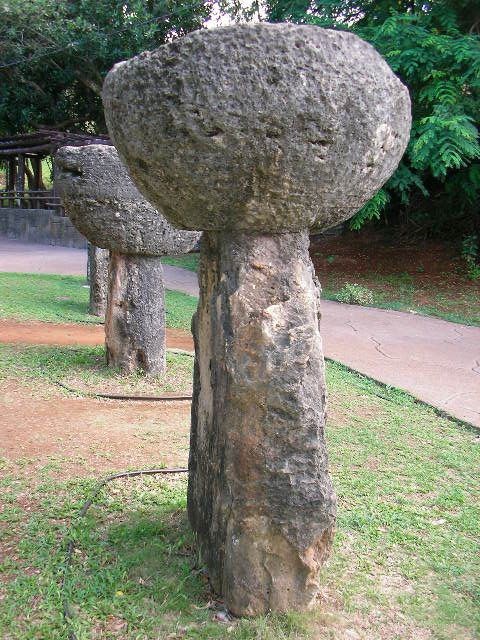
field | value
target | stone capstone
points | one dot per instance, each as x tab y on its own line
106	207
267	127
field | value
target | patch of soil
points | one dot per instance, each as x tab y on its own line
98	436
428	274
359	253
46	333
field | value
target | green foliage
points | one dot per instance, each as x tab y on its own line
471	254
371	211
55	54
435	49
355	294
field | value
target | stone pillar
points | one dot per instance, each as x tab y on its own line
98	279
105	206
260	498
256	134
135	321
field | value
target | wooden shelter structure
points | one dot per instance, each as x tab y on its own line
22	156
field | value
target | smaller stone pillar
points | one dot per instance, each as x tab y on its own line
135	322
97	273
106	207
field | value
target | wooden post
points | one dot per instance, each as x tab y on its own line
12	175
37	177
20	181
29	201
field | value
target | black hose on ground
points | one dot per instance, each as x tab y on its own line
70	544
116	396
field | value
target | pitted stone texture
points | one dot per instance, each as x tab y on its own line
135	319
260	498
98	260
258	127
106	207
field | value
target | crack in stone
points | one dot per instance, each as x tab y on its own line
476	367
455	340
453	396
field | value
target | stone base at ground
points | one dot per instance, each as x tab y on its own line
135	319
260	498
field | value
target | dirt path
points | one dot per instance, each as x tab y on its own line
46	333
39	425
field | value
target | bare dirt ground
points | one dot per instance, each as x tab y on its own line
39	422
46	333
38	425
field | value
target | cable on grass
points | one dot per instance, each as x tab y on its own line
70	543
117	396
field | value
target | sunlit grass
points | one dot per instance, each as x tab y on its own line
405	563
52	298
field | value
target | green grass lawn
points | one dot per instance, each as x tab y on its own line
51	298
405	565
400	293
84	369
427	277
188	261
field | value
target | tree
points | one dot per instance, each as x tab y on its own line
435	49
55	53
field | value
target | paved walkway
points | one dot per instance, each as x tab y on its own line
25	257
436	361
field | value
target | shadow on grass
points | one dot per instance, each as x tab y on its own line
140	577
33	361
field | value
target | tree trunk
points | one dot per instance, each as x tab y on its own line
260	498
98	277
135	319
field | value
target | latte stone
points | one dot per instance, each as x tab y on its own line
105	206
255	134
